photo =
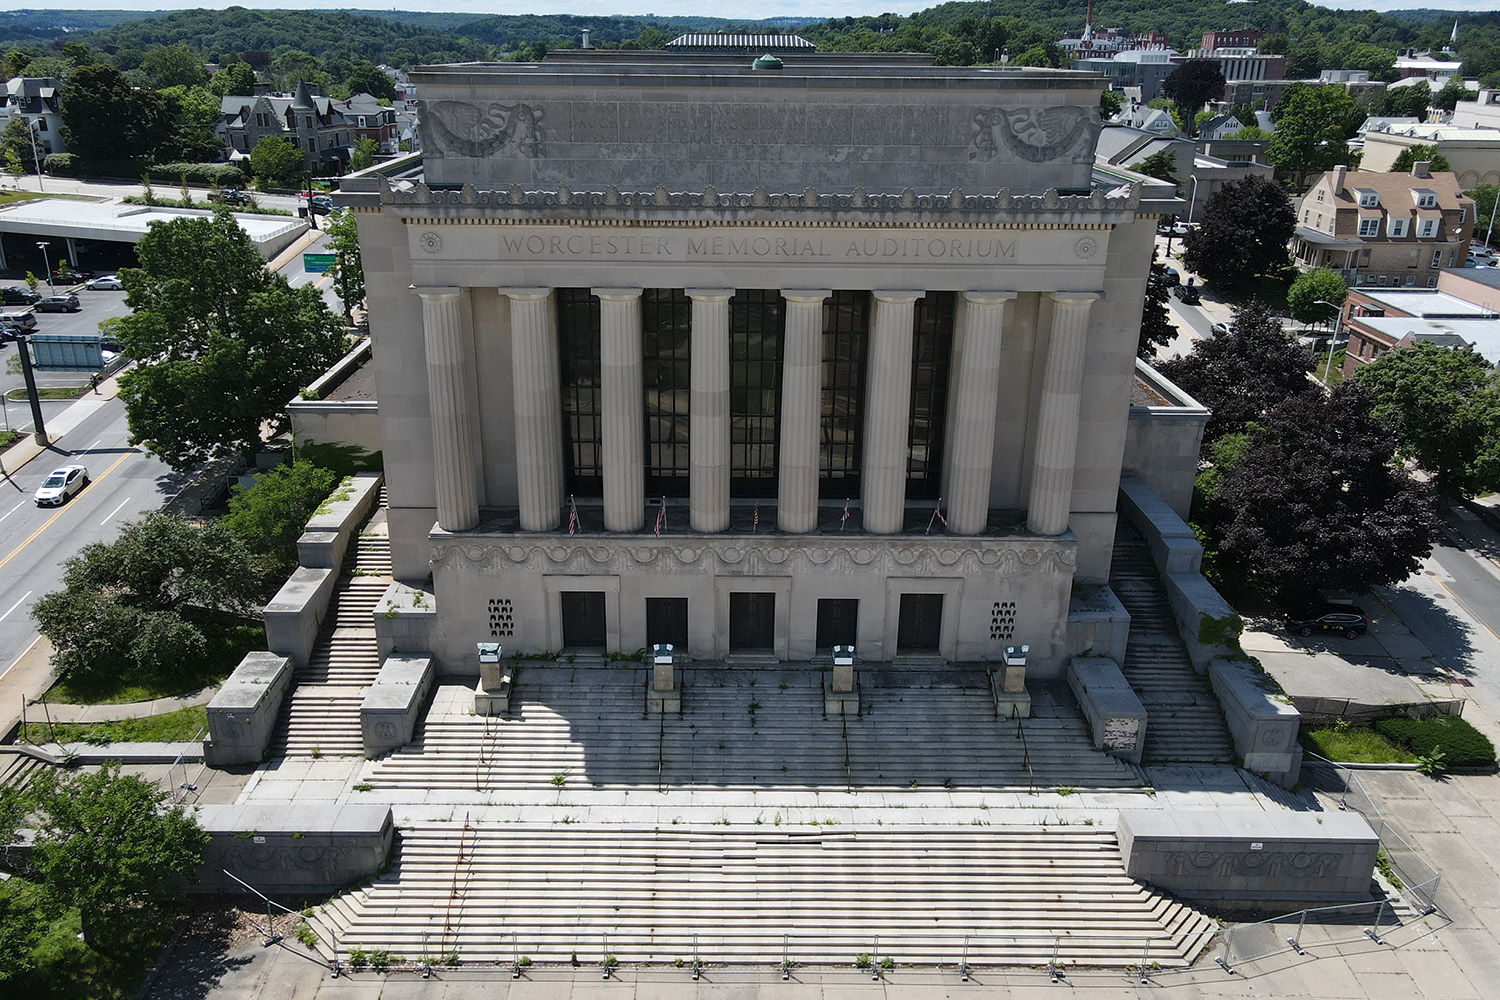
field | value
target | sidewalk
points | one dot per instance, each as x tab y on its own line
18	455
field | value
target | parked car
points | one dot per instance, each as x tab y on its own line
322	204
1173	278
59	303
62	484
15	295
1188	294
70	276
105	282
230	196
1481	257
1219	329
1346	619
19	320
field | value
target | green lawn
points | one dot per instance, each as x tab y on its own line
1335	371
174	727
1354	745
11	197
226	648
50	392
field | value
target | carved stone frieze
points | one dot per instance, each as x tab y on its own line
955	206
1036	134
458	128
927	558
1226	864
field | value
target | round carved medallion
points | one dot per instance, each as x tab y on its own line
1086	248
430	242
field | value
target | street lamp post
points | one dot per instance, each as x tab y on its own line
31	127
1194	200
42	245
1332	338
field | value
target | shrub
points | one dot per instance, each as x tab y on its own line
1461	744
206	174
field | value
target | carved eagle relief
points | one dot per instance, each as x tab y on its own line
1035	134
455	128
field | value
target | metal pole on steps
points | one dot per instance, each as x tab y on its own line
1145	954
1296	942
697	965
1223	959
606	955
875	961
426	960
786	965
1373	933
1054	971
963	963
515	956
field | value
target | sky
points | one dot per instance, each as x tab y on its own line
750	9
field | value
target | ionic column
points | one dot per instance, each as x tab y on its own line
976	391
623	417
887	412
708	410
801	411
450	380
536	390
1057	426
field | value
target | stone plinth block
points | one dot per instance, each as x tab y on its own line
406	621
242	714
1250	857
292	847
1115	714
1261	719
388	714
296	612
492	696
326	538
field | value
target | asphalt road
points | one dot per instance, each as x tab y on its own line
34	541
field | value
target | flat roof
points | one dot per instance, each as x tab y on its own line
65	218
1481	334
1426	303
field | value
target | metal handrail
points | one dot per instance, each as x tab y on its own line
1015	713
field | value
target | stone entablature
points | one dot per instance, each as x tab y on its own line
998	590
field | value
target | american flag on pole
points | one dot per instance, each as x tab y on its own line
572	517
846	514
661	517
755	522
937	514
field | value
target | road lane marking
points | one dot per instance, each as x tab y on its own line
1467	610
61	511
12	510
15	605
91	447
110	516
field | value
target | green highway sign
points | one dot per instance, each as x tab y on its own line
317	263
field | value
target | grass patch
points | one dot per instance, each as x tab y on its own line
8	438
49	392
156	201
173	727
227	646
1334	373
11	197
58	966
1461	744
1354	745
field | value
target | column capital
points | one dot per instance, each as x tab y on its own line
808	295
709	294
1076	298
896	296
438	291
525	294
616	294
990	298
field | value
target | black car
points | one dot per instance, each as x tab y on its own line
1346	619
230	196
70	276
1188	294
15	295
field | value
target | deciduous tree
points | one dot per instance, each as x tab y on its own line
276	161
1160	165
122	605
1156	329
1305	299
106	844
1444	406
175	65
1313	500
270	516
223	343
1242	374
1192	85
1313	126
104	118
1245	229
1436	162
348	267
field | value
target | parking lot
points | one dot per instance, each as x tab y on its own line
96	307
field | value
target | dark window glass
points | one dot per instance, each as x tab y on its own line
931	351
920	627
666	327
578	342
757	322
838	623
752	621
846	330
667	621
583	619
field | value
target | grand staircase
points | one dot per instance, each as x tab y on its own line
1185	723
322	714
488	893
744	728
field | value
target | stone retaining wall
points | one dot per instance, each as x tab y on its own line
326	537
388	715
294	848
1116	717
242	714
296	612
1251	858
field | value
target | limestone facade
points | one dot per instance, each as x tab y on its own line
672	349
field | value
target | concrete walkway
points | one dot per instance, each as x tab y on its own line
61	712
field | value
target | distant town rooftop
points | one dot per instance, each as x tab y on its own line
739	42
105	220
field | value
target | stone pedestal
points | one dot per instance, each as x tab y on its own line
662	692
492	696
841	688
1008	684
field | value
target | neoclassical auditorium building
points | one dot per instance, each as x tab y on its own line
755	357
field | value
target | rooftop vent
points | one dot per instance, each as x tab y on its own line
766	61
